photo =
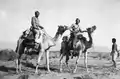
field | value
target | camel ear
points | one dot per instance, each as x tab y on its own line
86	28
94	27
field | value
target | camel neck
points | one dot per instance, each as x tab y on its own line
90	37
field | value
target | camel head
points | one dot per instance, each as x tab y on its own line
92	29
61	29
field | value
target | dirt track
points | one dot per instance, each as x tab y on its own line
98	69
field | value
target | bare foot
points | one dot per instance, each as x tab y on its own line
17	71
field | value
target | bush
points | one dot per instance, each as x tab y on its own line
8	54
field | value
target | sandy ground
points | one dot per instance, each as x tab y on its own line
98	69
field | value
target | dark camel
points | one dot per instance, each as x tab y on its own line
81	46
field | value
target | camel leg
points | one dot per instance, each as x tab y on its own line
17	60
47	58
38	61
67	58
85	60
17	65
19	50
20	66
77	60
61	57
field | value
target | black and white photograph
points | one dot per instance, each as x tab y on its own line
59	39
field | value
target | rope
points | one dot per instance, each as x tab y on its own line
46	34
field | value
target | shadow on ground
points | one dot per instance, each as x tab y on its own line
7	69
30	65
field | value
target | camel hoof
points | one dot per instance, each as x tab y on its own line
88	71
74	71
36	72
49	71
17	71
60	70
21	71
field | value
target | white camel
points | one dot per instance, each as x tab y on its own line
46	42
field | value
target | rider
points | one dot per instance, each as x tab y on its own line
35	25
74	29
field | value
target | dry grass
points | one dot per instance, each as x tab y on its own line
95	72
100	55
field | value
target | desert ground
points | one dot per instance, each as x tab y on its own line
99	65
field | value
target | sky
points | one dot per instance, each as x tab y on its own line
15	17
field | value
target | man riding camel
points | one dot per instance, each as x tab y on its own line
35	25
75	29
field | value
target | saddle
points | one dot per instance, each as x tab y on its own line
29	39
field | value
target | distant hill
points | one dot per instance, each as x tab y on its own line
12	45
99	49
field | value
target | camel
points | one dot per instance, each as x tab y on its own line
46	43
80	46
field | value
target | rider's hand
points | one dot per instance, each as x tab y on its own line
41	27
85	31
